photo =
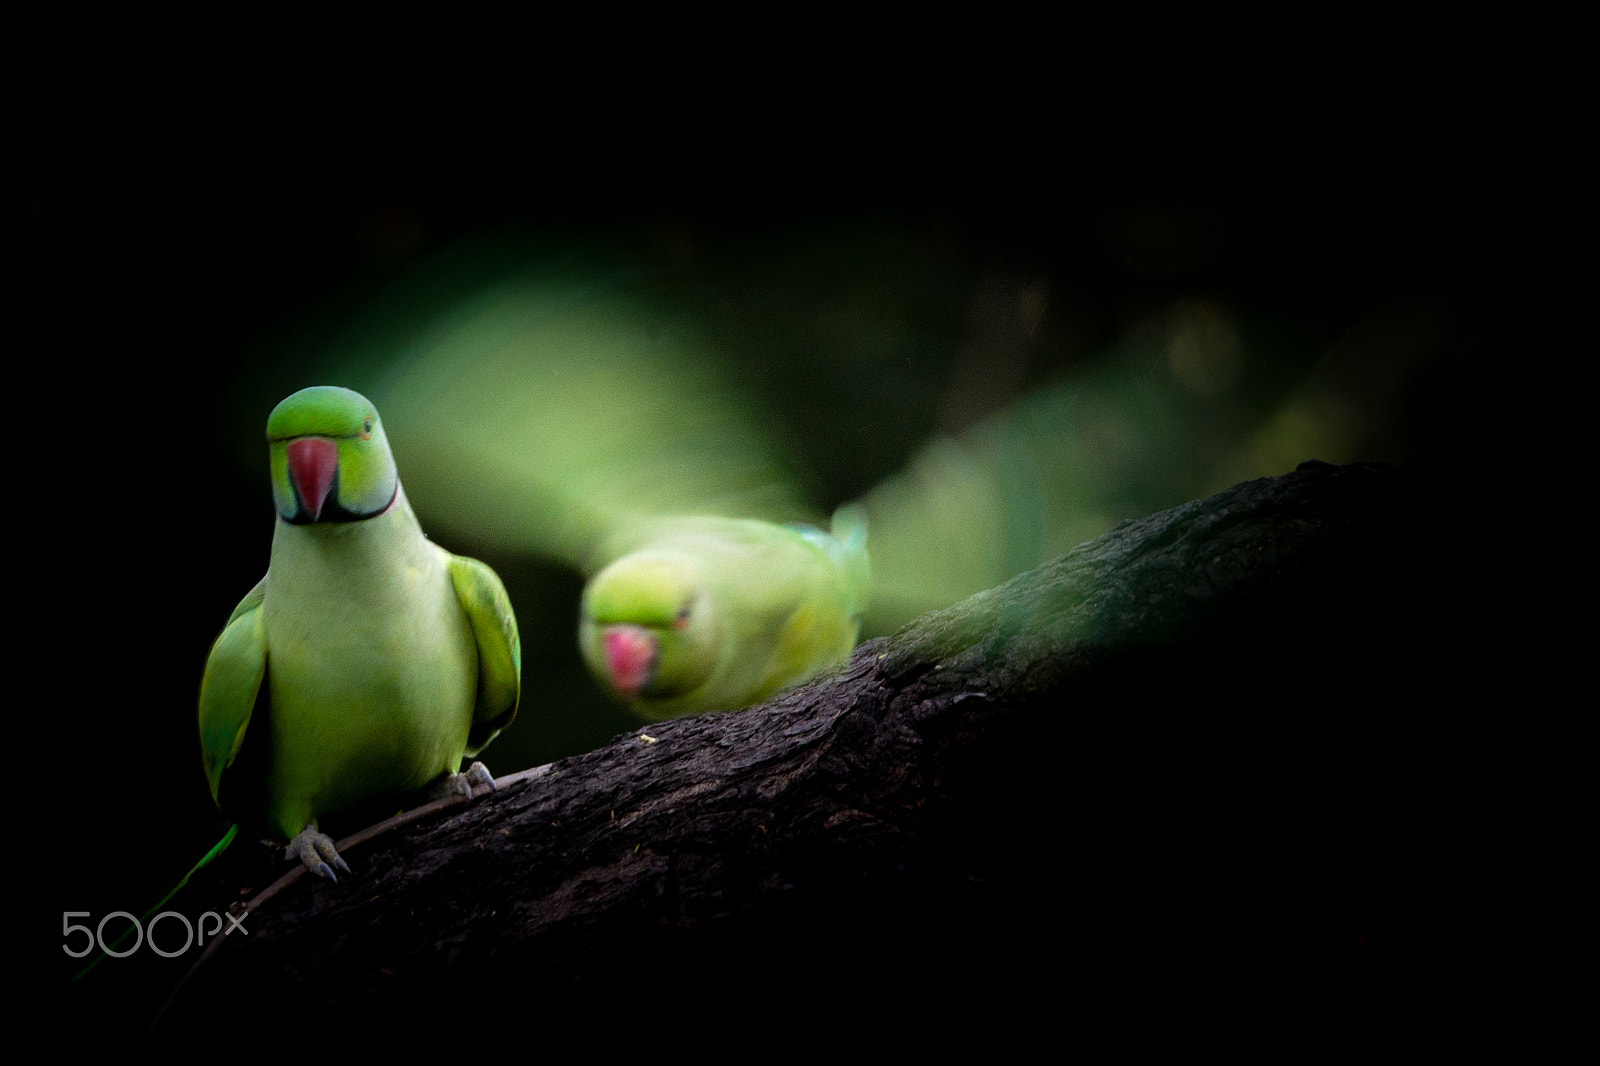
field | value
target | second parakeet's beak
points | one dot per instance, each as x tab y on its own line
631	653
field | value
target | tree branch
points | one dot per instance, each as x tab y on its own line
1208	729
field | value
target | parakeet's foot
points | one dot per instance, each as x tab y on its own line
461	784
315	851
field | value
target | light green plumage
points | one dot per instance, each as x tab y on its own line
736	610
369	661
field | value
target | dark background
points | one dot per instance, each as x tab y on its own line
176	275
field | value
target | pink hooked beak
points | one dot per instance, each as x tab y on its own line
312	463
630	658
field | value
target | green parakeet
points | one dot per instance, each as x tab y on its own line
369	661
716	613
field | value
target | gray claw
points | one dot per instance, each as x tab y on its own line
478	774
316	853
461	784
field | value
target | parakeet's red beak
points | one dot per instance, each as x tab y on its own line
312	463
630	658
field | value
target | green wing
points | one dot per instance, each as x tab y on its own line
846	548
822	600
494	629
230	685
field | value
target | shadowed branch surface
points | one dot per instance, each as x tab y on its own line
1215	729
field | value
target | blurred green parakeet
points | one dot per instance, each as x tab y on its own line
569	414
712	613
369	661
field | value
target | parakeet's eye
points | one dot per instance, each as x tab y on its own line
683	617
366	427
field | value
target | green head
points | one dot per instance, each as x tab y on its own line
330	459
647	631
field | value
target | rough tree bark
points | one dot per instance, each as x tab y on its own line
1216	729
